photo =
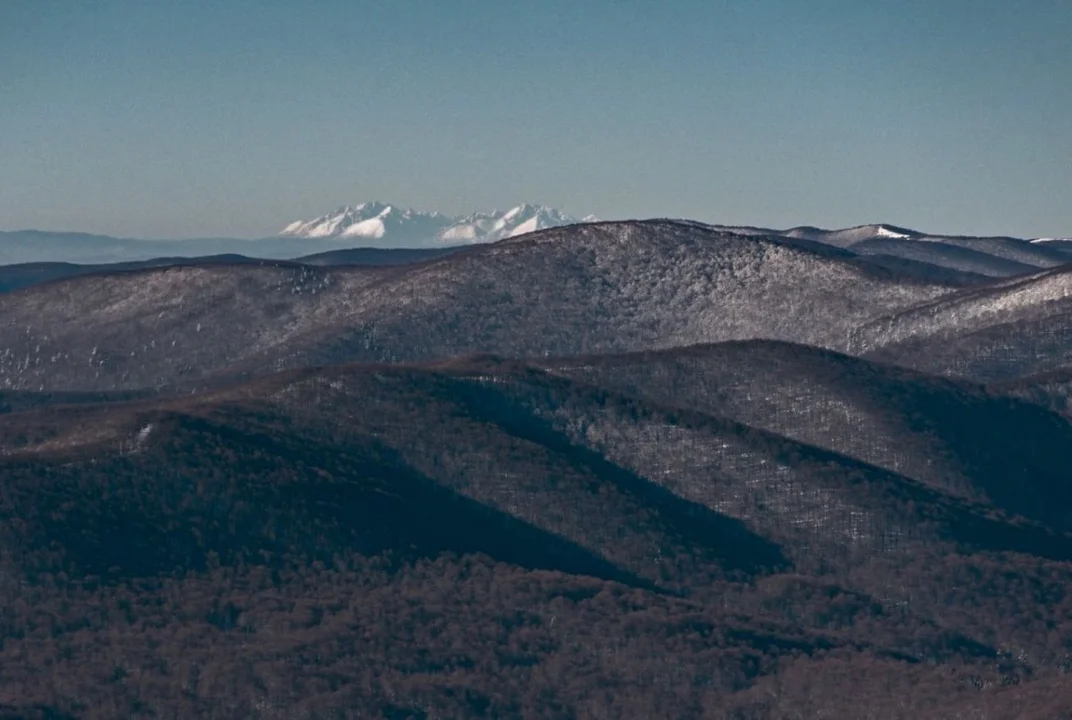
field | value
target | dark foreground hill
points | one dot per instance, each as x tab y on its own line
596	288
1051	390
483	539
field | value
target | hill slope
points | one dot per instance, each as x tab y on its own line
556	476
476	537
491	524
953	436
1010	329
715	494
605	287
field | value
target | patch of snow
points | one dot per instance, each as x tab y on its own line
883	231
371	228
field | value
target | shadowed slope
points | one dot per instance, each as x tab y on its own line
820	506
667	495
1051	390
953	436
369	455
294	517
236	486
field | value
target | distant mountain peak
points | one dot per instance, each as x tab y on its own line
391	225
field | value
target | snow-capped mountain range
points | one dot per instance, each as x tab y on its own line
385	225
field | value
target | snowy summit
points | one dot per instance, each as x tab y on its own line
383	225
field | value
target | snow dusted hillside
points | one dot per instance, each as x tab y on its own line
383	225
996	332
994	257
582	289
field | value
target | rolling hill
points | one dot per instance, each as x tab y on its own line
470	532
20	275
595	288
956	437
1002	331
610	469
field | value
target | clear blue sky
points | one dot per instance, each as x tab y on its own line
178	118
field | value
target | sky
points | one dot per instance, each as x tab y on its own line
213	118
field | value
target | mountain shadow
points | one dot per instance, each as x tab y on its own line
954	436
247	494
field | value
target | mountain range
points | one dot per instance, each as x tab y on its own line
387	226
653	468
390	226
367	225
